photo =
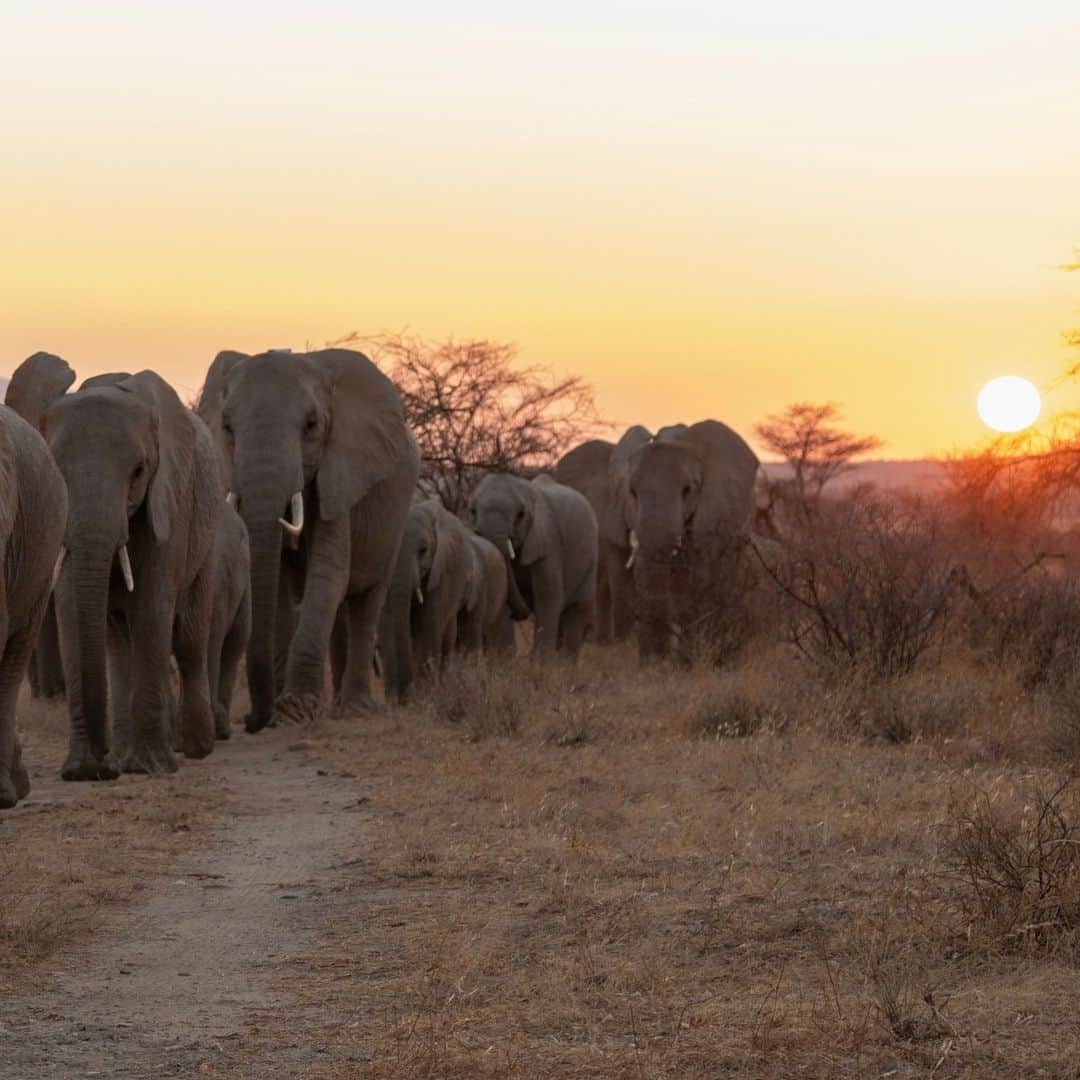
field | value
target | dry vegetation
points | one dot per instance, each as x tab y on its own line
74	856
753	871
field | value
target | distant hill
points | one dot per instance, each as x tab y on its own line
918	475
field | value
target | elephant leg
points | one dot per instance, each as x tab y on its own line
362	611
151	698
232	651
119	645
621	592
604	632
339	649
34	676
572	625
284	627
449	643
219	628
50	668
190	644
14	781
324	592
547	609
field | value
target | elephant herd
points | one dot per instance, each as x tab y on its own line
280	520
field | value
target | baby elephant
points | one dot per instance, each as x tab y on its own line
33	514
430	587
547	534
484	623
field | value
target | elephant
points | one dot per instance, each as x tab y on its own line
230	625
587	468
434	571
689	495
137	579
547	535
321	465
46	671
484	624
33	512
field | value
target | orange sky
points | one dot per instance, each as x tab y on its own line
703	213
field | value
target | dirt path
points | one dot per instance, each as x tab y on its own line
166	994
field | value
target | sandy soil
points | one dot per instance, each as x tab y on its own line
172	991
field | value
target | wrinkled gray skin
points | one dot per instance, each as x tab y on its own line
689	498
330	427
230	625
33	511
46	671
484	624
434	569
547	534
587	469
141	472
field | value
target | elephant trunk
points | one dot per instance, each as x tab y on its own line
395	636
82	602
264	532
519	609
661	545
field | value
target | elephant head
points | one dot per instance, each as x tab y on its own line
688	494
508	511
125	447
303	438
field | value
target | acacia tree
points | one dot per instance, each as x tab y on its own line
808	437
473	409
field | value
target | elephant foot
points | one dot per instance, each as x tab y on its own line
222	728
199	747
83	764
298	708
14	787
254	723
150	760
357	703
20	778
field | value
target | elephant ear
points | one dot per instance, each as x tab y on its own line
368	437
540	539
447	547
35	384
619	474
587	469
729	470
212	395
174	476
671	432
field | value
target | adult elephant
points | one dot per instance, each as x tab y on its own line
317	452
547	534
143	504
588	469
432	582
689	498
33	511
484	623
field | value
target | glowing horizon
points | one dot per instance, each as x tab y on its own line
703	213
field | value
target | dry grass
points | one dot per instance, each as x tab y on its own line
609	872
75	855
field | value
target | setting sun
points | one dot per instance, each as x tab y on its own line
1009	403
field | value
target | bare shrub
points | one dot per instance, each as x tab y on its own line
481	700
727	706
869	586
1018	869
474	409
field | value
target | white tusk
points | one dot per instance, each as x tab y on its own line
231	498
59	565
296	512
634	545
125	568
419	595
510	548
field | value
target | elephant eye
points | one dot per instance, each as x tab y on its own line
137	472
686	491
227	428
310	424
